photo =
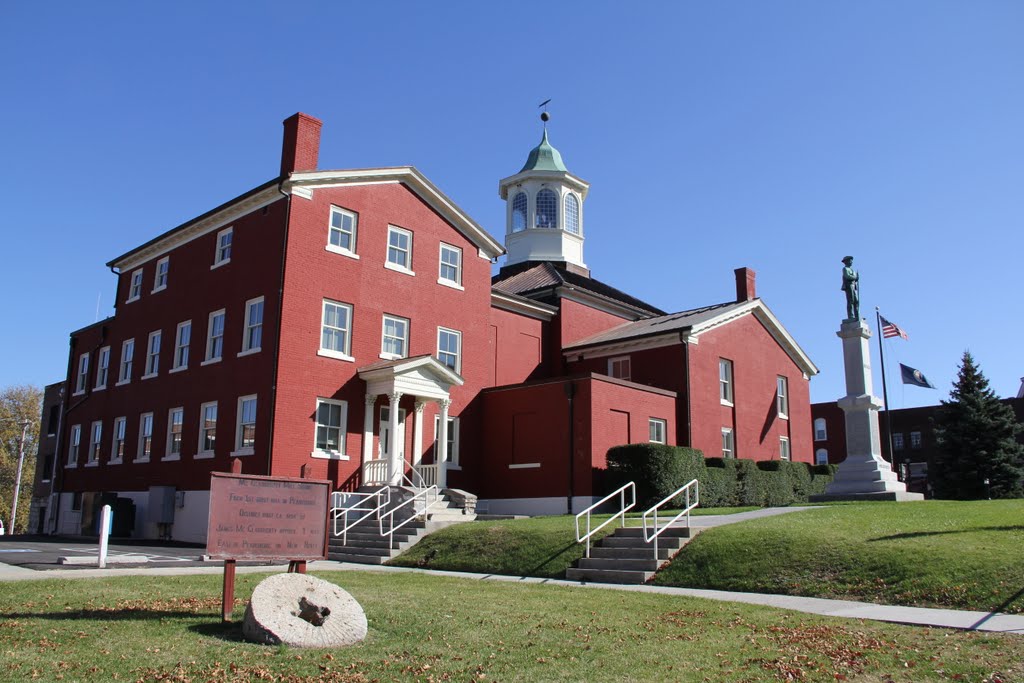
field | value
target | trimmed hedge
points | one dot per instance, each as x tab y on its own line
658	470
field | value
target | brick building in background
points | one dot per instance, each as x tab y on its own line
346	325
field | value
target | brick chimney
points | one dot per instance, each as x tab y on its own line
301	146
746	289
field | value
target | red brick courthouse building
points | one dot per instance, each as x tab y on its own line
348	323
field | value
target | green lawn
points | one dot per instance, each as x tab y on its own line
967	555
428	628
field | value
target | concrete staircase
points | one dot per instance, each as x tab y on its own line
624	556
365	545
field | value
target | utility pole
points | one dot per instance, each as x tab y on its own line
17	477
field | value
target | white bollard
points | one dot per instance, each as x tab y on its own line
106	519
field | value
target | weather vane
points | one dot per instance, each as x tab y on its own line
544	115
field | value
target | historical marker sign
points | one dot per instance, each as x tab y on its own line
267	518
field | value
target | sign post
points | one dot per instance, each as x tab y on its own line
106	521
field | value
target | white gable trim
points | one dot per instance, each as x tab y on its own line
424	376
626	346
602	303
528	308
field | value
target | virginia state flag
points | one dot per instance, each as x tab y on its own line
915	377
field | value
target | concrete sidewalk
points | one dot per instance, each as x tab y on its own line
916	616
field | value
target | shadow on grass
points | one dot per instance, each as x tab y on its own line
108	615
230	632
920	534
533	572
1000	609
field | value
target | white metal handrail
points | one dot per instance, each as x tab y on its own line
623	508
430	494
656	529
365	503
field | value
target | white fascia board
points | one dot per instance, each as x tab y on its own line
212	223
575	182
415	181
528	308
625	346
432	364
602	303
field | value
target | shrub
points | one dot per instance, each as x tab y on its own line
657	469
718	487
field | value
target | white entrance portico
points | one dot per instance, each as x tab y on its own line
425	378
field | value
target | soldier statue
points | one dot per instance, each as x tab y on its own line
851	285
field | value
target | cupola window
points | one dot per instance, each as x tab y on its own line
547	209
572	214
519	212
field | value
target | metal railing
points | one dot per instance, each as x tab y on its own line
368	504
375	472
657	528
426	498
623	507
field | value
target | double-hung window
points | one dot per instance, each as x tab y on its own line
222	253
449	348
782	390
915	439
897	441
619	367
656	429
450	266
336	330
215	337
245	431
182	339
394	338
124	375
821	456
160	279
725	381
82	380
117	446
728	443
820	429
93	457
399	250
73	444
145	438
135	286
153	355
451	455
175	420
331	417
207	429
341	232
784	453
252	336
102	367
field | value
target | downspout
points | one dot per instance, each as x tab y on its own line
280	326
570	392
686	403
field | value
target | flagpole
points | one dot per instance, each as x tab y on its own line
885	392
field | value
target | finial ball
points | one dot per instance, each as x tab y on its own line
545	117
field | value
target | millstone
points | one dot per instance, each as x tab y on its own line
303	611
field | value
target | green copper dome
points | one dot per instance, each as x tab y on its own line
544	157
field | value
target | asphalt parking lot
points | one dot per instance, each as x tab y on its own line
44	552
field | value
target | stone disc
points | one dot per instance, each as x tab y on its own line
303	611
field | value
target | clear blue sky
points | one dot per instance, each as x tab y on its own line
780	136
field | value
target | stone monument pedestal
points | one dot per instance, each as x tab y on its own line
864	475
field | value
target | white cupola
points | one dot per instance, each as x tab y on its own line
544	210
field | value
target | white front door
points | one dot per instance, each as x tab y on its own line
385	433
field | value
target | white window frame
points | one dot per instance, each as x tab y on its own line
728	442
898	444
785	450
222	252
117	445
74	444
657	424
169	453
153	354
210	358
915	440
140	454
102	368
134	286
458	353
251	327
620	367
726	385
239	425
124	368
201	451
782	396
82	379
455	283
453	441
383	327
820	429
345	353
163	268
182	349
821	456
92	458
342	431
331	229
391	265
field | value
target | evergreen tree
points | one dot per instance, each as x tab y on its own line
976	437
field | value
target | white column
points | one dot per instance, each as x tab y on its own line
417	434
395	469
370	402
442	444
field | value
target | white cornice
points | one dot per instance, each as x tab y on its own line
575	182
522	306
624	346
602	303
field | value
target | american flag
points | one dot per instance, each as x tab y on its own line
890	329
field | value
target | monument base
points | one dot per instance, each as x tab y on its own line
898	496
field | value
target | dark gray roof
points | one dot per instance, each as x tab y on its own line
532	277
651	327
